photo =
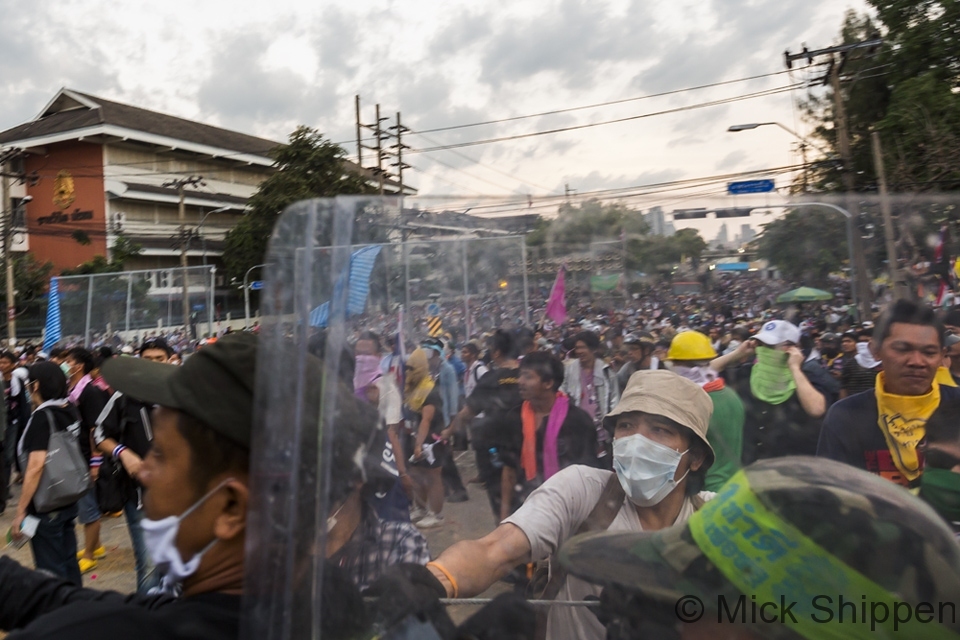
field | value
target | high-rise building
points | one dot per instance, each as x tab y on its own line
656	219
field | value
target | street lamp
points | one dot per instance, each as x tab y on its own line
753	125
246	295
203	238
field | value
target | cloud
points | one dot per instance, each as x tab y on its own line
732	160
43	52
596	181
245	94
569	38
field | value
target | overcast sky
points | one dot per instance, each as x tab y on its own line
265	67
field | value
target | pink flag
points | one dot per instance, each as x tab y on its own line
557	304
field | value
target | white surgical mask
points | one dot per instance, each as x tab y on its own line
701	375
160	538
646	469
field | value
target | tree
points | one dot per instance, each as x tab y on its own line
806	244
30	280
657	253
123	249
579	225
308	166
907	91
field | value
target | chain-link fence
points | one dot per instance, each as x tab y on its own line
99	305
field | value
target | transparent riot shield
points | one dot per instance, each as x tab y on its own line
307	455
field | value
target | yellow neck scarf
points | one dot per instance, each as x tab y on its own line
903	421
418	383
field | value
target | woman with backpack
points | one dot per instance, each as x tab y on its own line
54	544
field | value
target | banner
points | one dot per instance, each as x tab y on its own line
606	282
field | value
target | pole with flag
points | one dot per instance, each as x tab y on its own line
52	331
556	308
941	266
399	356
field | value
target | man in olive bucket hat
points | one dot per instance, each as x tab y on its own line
660	455
795	547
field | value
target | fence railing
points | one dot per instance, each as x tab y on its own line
102	304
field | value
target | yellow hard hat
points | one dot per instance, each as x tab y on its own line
691	345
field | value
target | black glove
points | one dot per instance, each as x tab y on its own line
507	617
409	589
344	615
628	615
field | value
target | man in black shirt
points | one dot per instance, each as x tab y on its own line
495	394
880	429
544	434
196	498
89	401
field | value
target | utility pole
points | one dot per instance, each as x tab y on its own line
843	142
862	281
184	234
379	135
899	288
399	146
356	104
7	211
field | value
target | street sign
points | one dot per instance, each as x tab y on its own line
256	285
435	327
433	310
750	186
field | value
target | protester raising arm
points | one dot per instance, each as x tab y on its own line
811	400
746	349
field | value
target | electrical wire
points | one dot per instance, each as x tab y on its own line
597	105
712	103
485	166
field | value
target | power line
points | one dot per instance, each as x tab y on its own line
485	166
712	103
618	193
599	104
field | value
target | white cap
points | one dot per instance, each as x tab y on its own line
778	331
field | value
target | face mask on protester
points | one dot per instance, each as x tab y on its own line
646	469
65	367
700	374
160	538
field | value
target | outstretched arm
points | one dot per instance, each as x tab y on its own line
477	564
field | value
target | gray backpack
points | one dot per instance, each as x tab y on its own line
66	474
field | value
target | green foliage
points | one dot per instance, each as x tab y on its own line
308	166
807	245
578	225
30	279
123	249
907	91
657	253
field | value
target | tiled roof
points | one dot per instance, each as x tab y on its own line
68	113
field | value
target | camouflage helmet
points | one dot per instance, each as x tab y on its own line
798	528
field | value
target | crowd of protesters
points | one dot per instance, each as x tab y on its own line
662	420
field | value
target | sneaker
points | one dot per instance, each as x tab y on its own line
87	565
98	553
430	521
458	496
417	513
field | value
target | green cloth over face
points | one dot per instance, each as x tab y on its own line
770	379
940	488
